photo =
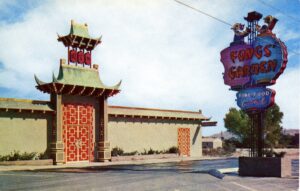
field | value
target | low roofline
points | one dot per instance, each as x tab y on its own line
205	139
24	100
7	104
140	112
154	109
209	123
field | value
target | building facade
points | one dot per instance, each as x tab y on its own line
211	143
78	125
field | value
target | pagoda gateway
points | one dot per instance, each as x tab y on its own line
78	125
79	99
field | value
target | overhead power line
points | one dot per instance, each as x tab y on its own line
198	10
271	6
215	18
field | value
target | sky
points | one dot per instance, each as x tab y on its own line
167	55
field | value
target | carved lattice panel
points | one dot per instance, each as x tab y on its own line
78	132
83	149
183	139
70	143
85	132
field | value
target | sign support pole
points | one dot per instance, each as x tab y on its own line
260	144
256	133
249	68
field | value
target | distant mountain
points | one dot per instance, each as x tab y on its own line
224	134
228	135
290	131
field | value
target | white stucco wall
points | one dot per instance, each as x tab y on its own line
137	134
24	132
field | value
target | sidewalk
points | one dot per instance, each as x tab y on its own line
91	164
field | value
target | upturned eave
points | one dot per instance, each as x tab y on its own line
208	123
79	42
76	90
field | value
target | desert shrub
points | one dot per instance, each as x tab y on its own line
151	151
4	157
280	154
131	153
229	147
28	156
217	152
145	152
116	151
271	153
211	152
173	149
16	155
44	155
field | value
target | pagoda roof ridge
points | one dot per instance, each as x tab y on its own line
79	29
54	79
38	81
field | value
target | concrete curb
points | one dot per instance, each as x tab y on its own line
27	162
95	164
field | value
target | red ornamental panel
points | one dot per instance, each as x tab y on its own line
78	132
80	57
73	56
184	141
88	58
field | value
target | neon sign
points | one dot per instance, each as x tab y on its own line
255	98
250	66
257	53
234	68
271	64
259	63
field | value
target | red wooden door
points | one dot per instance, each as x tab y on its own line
78	132
183	139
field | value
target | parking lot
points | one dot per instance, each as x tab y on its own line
185	175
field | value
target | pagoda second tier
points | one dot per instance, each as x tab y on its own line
79	37
80	81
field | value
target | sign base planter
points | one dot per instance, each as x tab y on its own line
264	166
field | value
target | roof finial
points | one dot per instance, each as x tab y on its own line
95	66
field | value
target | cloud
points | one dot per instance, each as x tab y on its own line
287	33
288	97
166	54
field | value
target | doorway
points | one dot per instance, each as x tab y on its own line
183	139
78	131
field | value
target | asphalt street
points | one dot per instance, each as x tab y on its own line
179	176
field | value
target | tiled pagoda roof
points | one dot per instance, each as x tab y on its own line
79	37
75	80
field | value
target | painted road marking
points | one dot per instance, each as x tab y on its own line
246	187
227	170
222	187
